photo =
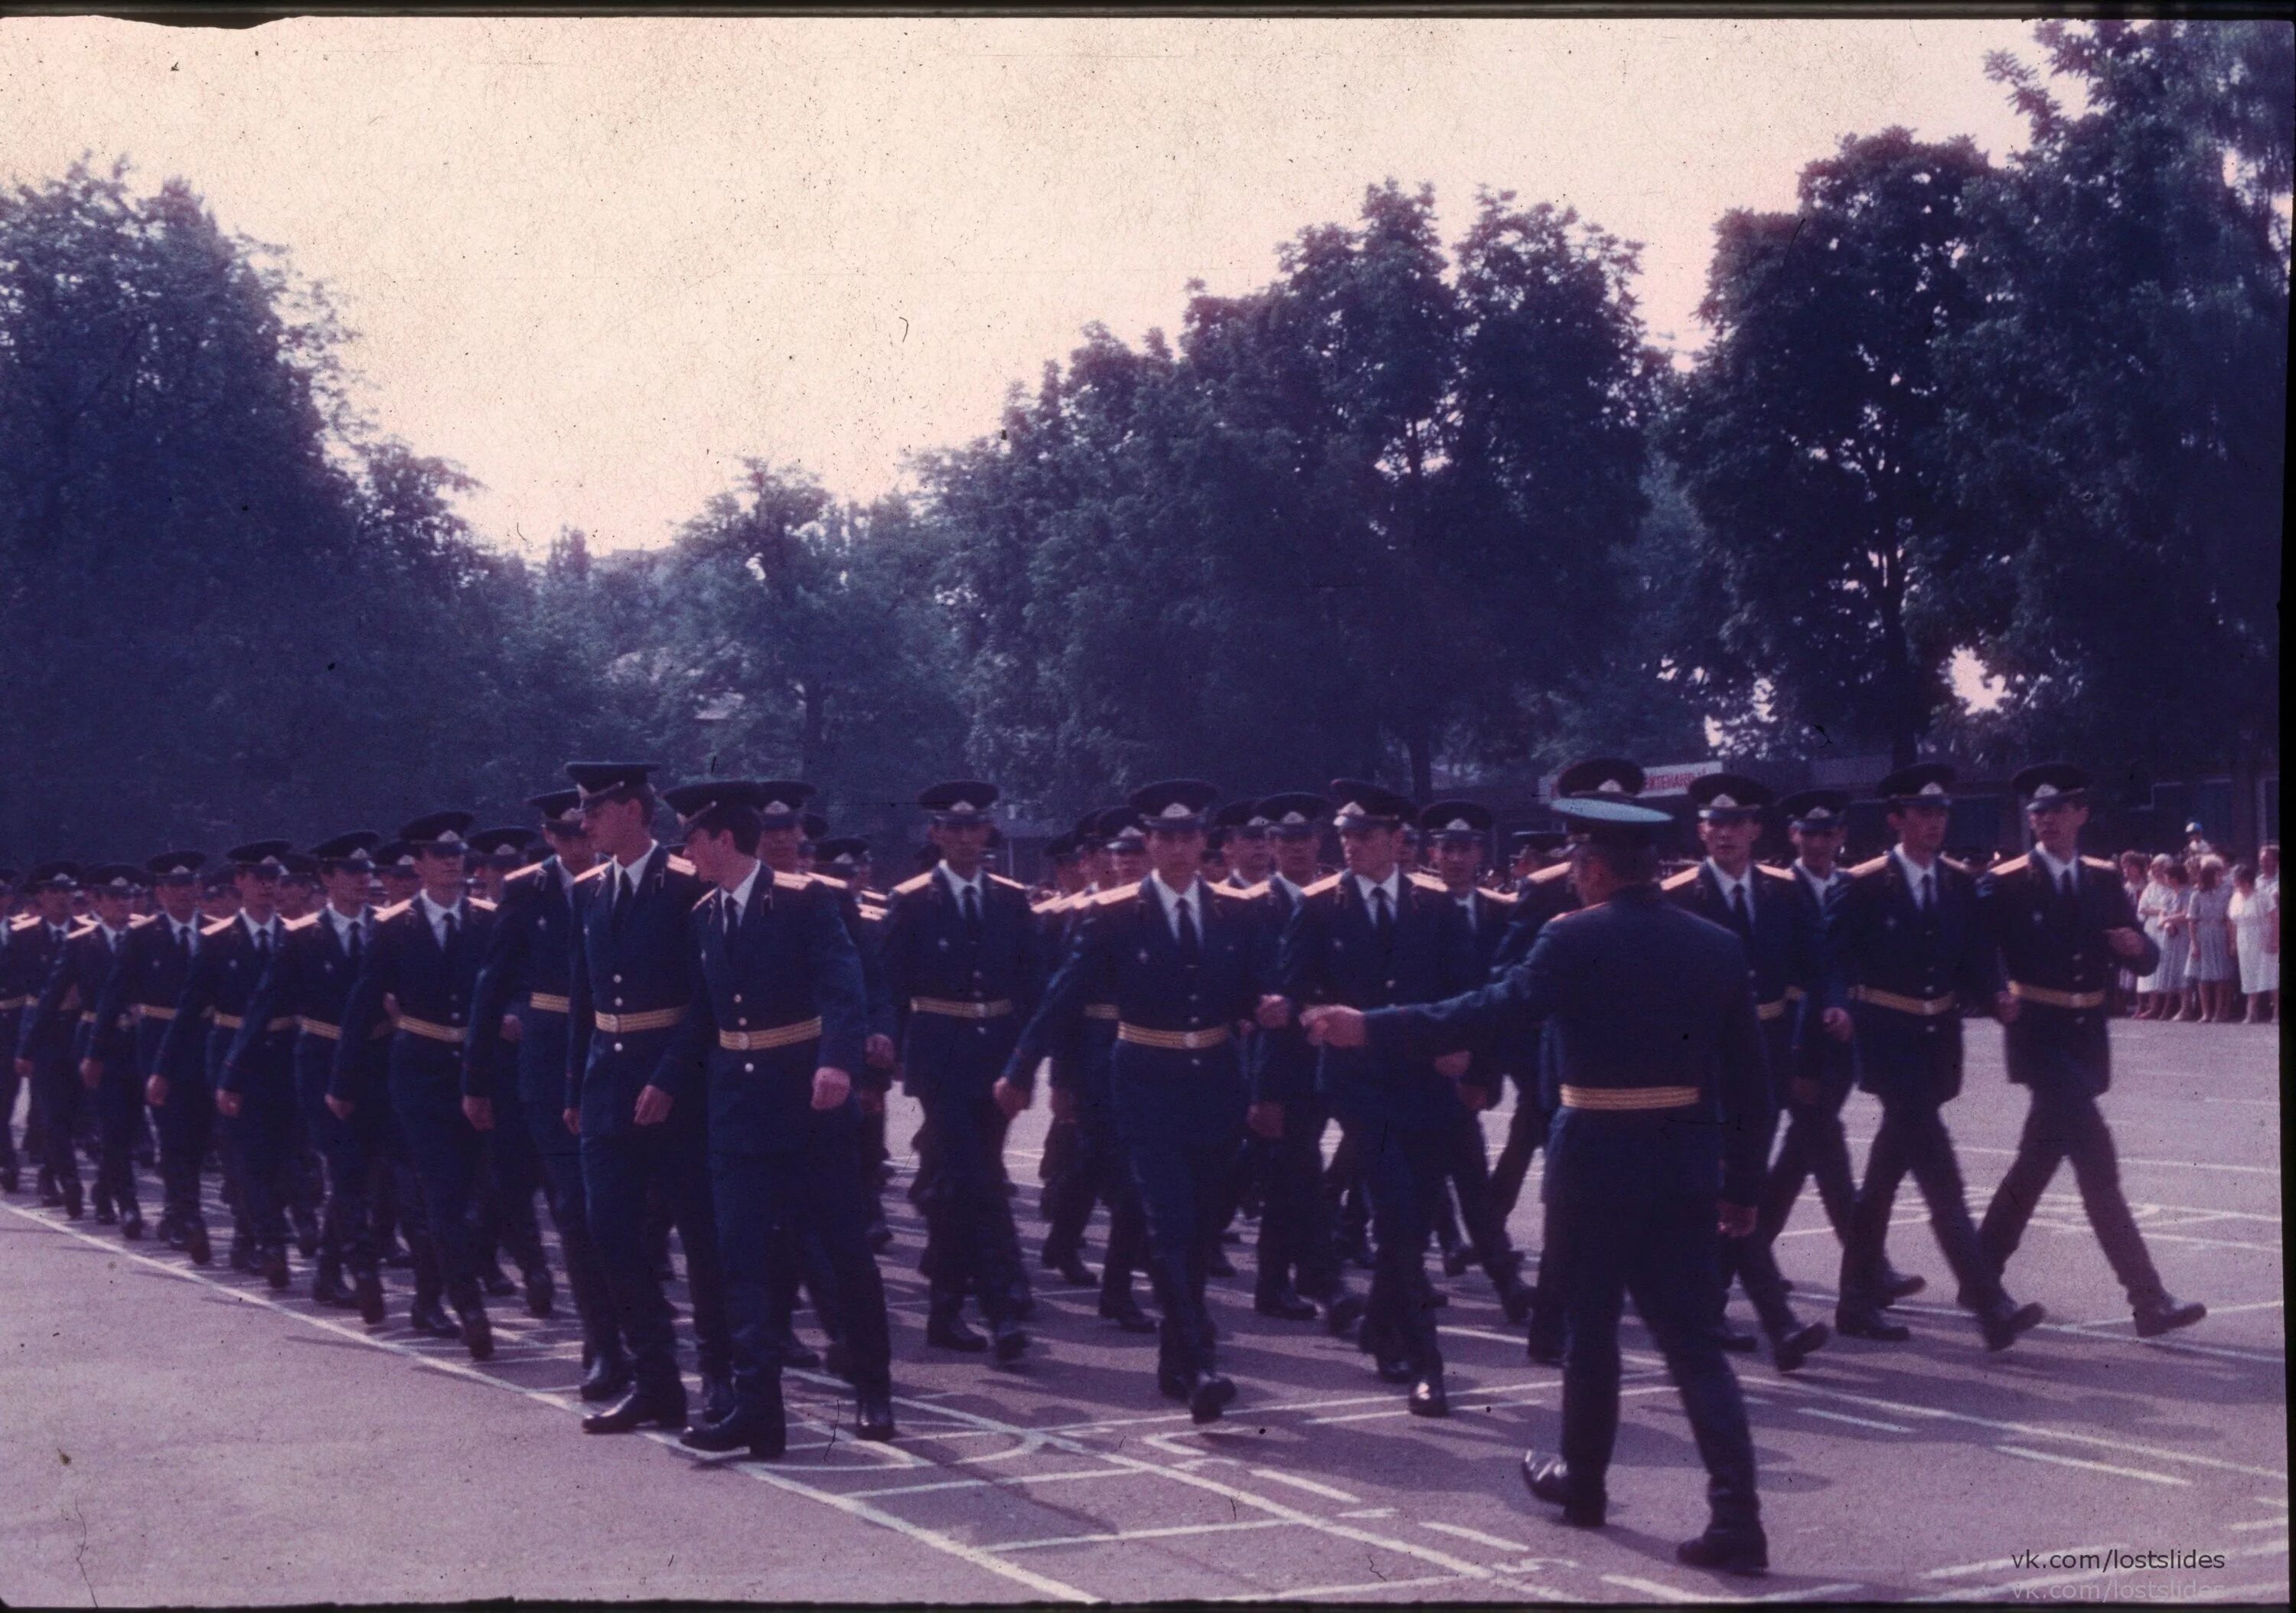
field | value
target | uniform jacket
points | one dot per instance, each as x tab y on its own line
789	964
1329	952
34	945
1786	952
2054	954
1634	992
426	992
636	960
527	970
218	990
62	1022
144	985
930	959
310	981
1878	946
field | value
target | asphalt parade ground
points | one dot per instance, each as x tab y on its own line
173	1436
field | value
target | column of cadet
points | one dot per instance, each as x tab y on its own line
389	1050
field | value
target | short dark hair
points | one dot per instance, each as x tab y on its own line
1626	864
743	823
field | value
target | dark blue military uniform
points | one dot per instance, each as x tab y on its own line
962	987
1814	1145
1399	1111
1662	1109
144	987
528	973
781	995
635	973
1466	1162
15	993
59	1029
1295	1219
430	988
1176	1076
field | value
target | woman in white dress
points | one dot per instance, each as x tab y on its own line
2256	942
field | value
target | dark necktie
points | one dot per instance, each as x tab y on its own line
183	944
972	913
446	929
263	945
1381	922
1738	914
1191	949
733	919
355	943
1928	899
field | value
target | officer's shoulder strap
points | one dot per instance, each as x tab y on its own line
678	865
528	872
1116	898
308	919
910	886
1958	868
218	926
1675	882
799	882
596	870
1505	898
1784	874
1429	881
831	880
1327	884
1010	885
2015	865
1049	906
136	921
23	921
393	911
870	913
1872	866
1248	892
705	898
481	903
81	926
1549	874
2102	864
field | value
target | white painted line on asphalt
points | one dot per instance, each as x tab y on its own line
991	1484
1121	1536
1862	1422
1314	1592
1812	1594
2168	1165
1370	1512
932	1538
1308	1485
2260	1523
2095	1467
1652	1587
1477	1536
2179	1345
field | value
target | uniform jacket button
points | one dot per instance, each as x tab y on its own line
618	979
617	1047
737	997
750	1069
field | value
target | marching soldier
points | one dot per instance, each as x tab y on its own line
511	1172
421	971
1906	946
1635	1193
1367	938
36	941
1825	1069
62	1041
142	989
2064	924
846	859
1761	907
634	975
778	1026
254	1094
964	968
1187	966
523	996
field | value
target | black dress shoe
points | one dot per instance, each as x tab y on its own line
274	1268
1544	1347
197	1246
1284	1305
1516	1300
430	1318
1011	1345
1788	1350
2166	1315
478	1333
367	1290
1867	1322
662	1404
1125	1312
2004	1322
1737	1341
105	1215
243	1258
541	1292
1073	1272
171	1231
1173	1383
880	1237
497	1283
11	1178
74	1209
953	1332
1726	1551
131	1226
1394	1370
872	1417
1217	1264
1895	1285
1211	1395
766	1434
718	1400
1429	1397
1549	1480
1342	1312
1456	1259
327	1289
608	1377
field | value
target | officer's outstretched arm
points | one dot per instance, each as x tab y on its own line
1533	990
1745	1093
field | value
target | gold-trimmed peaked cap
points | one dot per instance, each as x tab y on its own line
263	856
1174	803
959	801
2052	781
441	834
610	780
1924	783
560	810
1366	805
1295	814
1462	821
176	867
1612	775
1730	797
1820	810
1608	820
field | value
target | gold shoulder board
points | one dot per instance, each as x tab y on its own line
918	883
1873	867
1010	885
796	882
217	927
596	870
304	923
1329	882
2010	866
392	911
1675	882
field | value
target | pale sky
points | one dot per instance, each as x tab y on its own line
597	262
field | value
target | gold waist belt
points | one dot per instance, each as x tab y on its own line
1172	1042
1629	1097
9	1004
326	1031
762	1041
1100	1010
543	1002
1773	1010
630	1024
452	1034
949	1007
1923	1006
144	1010
232	1022
2049	997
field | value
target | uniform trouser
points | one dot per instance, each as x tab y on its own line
618	1168
1661	1252
761	1199
306	1183
11	1083
558	1156
2063	1125
119	1100
1469	1170
1183	1175
57	1092
1913	1137
445	1148
1750	1261
1071	1189
261	1138
1526	1135
1295	1218
968	1224
1348	1205
1403	1169
186	1126
513	1175
1814	1146
1110	1169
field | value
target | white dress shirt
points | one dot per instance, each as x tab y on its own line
1174	900
437	916
738	898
